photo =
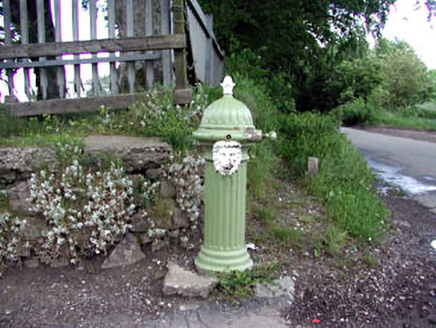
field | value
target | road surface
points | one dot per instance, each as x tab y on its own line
405	163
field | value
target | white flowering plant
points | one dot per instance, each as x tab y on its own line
11	238
189	183
84	212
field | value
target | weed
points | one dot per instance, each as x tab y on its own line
334	240
4	203
284	235
308	220
371	261
265	214
396	192
355	112
9	124
237	284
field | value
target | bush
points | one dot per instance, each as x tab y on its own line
355	112
426	110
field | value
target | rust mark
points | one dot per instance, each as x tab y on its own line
250	134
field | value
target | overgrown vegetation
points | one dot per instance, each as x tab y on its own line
344	183
238	284
155	115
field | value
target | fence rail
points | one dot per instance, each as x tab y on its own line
146	42
85	47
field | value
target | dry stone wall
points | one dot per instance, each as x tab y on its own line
154	216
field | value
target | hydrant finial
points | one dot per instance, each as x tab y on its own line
228	85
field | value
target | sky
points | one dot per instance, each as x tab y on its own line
408	22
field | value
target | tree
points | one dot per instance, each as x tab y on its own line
405	76
307	40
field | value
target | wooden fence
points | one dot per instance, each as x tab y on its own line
147	43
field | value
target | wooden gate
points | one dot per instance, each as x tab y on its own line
145	43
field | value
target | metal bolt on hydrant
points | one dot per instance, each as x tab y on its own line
226	132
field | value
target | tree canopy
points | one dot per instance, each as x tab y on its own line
305	42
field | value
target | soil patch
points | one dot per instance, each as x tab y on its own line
390	285
399	291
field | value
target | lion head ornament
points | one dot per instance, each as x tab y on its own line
227	157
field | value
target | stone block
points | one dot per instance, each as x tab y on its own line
179	219
18	198
277	288
140	223
59	263
153	174
428	200
34	228
174	233
31	263
127	252
20	163
313	166
158	245
183	282
183	96
137	154
167	189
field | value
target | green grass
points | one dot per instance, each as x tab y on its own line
154	116
344	183
285	235
236	284
405	120
358	111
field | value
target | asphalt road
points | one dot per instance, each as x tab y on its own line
410	164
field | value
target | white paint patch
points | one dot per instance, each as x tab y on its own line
392	176
251	246
433	244
227	156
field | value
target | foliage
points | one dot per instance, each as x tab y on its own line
285	235
156	116
9	124
344	181
405	76
86	208
237	284
390	77
286	31
331	241
355	112
11	237
296	43
189	183
354	78
410	117
83	212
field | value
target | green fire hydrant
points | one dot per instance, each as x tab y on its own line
226	132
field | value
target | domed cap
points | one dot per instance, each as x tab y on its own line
226	117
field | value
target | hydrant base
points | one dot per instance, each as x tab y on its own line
223	260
